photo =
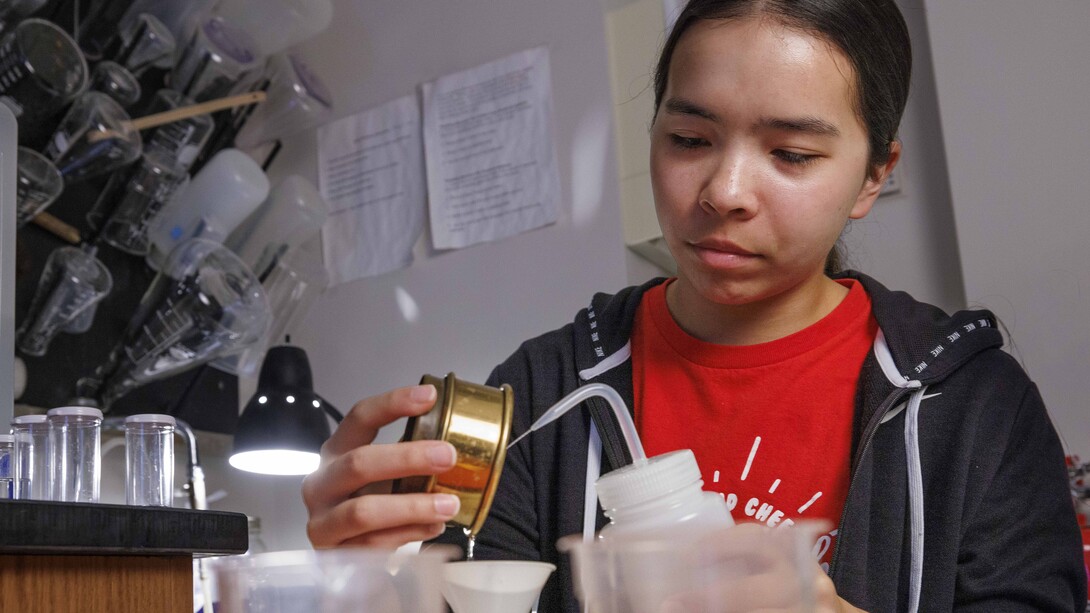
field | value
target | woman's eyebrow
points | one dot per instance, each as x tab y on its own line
806	124
681	106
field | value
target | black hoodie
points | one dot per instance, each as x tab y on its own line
959	499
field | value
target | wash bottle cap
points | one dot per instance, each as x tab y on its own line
642	482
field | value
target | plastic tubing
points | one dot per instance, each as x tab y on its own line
610	395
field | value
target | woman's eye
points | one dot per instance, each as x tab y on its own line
792	157
687	142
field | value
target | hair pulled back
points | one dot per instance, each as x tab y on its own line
871	33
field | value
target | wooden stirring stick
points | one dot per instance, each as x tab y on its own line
203	108
210	106
57	227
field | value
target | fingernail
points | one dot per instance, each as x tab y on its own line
446	505
423	393
442	455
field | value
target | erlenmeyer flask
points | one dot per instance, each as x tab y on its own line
204	303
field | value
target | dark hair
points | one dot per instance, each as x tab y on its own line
871	33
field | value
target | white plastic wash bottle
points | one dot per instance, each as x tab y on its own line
660	494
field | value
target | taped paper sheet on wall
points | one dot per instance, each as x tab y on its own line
371	173
489	150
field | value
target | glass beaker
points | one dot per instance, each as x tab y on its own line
149	460
41	70
183	139
75	442
297	100
214	61
33	474
94	138
97	32
146	42
225	191
12	11
73	280
137	197
117	82
39	183
204	303
7	466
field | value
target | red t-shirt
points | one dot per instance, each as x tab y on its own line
770	424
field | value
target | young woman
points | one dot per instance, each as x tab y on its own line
804	392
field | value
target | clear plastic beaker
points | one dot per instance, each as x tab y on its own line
149	460
293	213
146	42
75	442
33	475
94	138
333	581
117	82
137	196
706	572
41	70
38	185
297	100
7	467
276	25
183	139
225	191
215	61
73	280
203	304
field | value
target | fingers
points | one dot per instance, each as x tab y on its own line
344	475
382	520
396	537
368	415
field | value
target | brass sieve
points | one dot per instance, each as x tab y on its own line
476	419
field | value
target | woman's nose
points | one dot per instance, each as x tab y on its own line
729	189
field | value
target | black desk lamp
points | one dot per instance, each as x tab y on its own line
285	423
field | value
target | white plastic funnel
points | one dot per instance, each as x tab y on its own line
494	586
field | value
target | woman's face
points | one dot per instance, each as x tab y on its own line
758	159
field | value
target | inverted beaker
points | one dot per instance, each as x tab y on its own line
135	197
146	42
214	61
38	184
95	137
73	280
41	71
297	100
204	303
117	82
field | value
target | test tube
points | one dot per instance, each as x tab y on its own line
75	442
7	466
149	460
32	474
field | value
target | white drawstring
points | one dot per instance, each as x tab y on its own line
915	497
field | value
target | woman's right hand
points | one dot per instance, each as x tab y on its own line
349	499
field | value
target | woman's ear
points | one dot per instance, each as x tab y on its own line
872	186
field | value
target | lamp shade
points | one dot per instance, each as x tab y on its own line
284	424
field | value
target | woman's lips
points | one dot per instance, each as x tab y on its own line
723	254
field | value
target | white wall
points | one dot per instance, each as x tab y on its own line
465	310
1014	94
